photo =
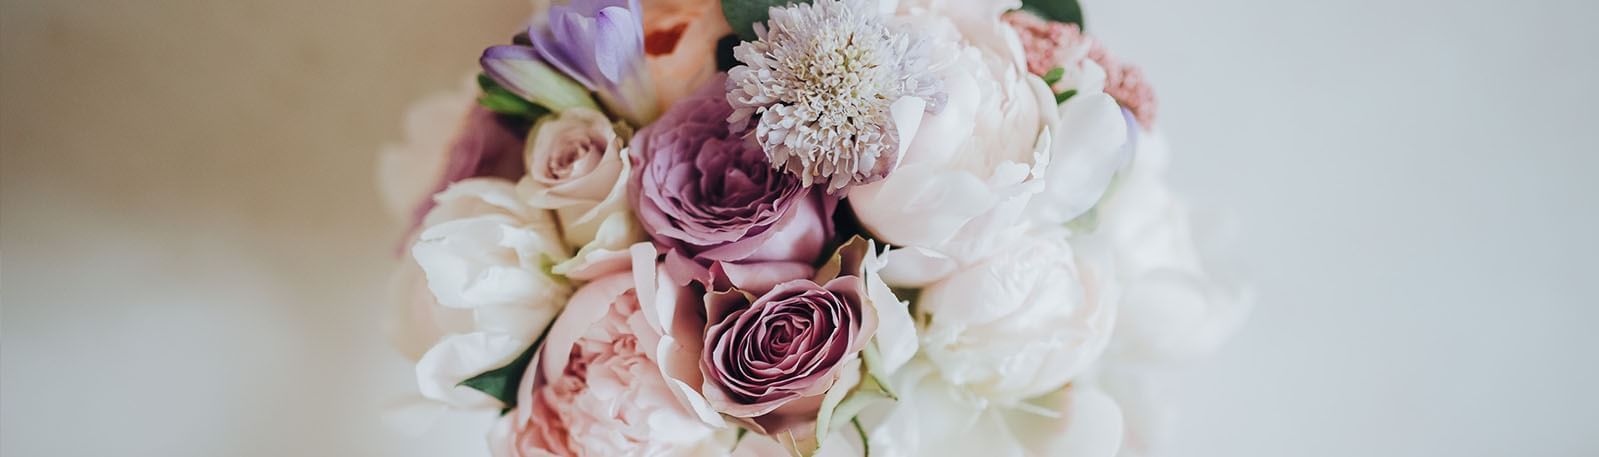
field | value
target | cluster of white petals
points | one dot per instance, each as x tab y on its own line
487	252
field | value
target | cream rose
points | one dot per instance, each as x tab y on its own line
486	251
577	167
971	167
1019	324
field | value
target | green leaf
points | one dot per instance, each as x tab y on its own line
742	15
502	101
1064	96
1067	11
1054	76
503	382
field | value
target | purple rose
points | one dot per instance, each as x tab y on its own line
709	195
770	359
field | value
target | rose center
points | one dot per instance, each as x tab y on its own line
580	156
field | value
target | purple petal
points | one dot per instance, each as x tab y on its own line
495	61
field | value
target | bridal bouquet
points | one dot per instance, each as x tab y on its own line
779	227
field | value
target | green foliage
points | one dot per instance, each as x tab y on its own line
1067	11
744	14
1054	76
1064	96
503	382
500	100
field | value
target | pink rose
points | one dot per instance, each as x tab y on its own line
769	357
594	390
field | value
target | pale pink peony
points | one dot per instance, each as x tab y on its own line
593	392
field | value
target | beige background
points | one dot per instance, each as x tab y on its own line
192	253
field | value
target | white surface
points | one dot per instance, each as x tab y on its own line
192	255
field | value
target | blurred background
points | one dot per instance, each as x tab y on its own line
193	255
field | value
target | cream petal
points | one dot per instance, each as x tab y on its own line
916	267
1088	153
1088	424
460	357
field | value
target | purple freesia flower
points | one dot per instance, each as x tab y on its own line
597	43
709	195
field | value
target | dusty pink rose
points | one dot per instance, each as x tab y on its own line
709	195
594	390
769	357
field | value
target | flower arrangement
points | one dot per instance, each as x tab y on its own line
778	227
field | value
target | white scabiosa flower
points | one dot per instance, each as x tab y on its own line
833	89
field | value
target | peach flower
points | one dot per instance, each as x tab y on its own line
680	39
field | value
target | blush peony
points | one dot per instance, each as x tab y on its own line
593	390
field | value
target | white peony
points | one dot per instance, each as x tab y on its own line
1090	145
934	418
971	167
418	321
487	251
578	166
1020	324
1173	310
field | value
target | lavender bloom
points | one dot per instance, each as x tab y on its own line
708	195
599	44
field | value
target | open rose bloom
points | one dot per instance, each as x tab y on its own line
825	227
